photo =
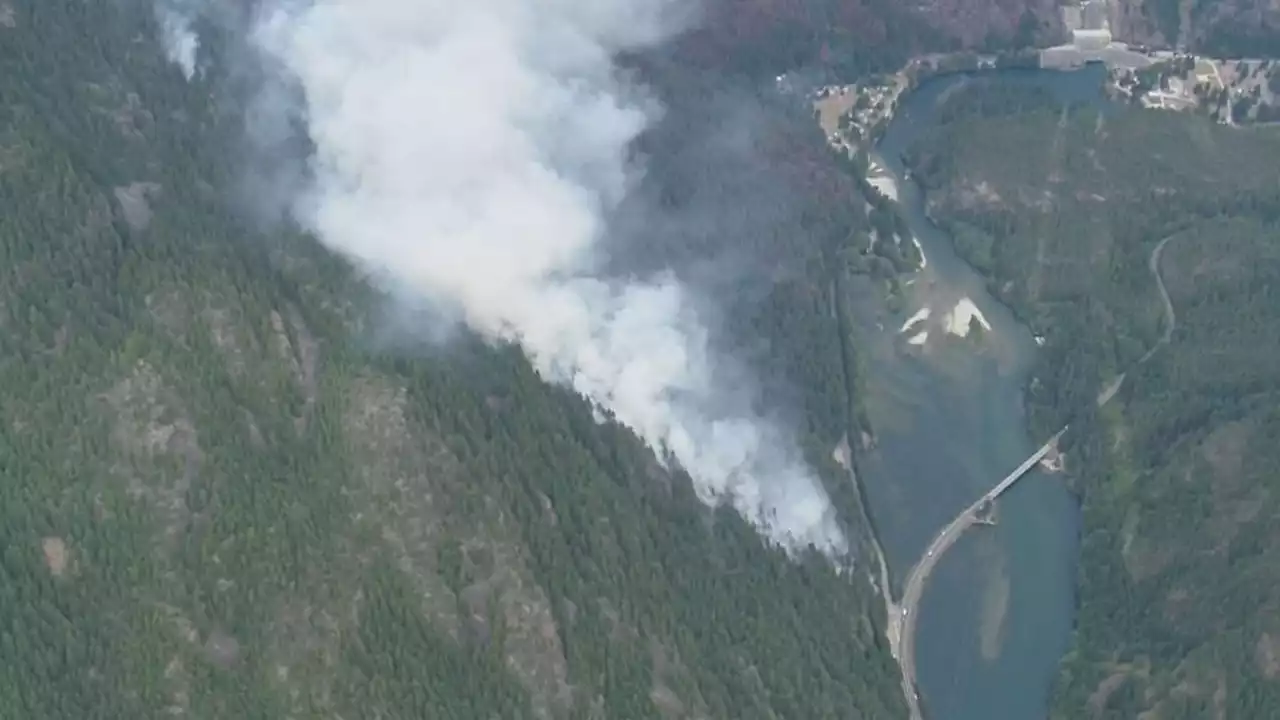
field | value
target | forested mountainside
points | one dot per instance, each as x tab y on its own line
1122	236
1223	28
223	494
849	38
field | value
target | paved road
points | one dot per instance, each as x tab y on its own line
902	620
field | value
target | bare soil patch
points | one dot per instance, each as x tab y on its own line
55	555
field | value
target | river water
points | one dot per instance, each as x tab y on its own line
949	420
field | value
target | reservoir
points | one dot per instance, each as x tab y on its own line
945	398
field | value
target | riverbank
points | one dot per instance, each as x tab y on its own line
951	370
1232	91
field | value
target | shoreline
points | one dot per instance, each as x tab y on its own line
958	320
1034	424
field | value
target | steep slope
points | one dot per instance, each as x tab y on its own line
223	495
1223	28
852	37
1064	210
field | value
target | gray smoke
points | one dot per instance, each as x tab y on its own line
469	151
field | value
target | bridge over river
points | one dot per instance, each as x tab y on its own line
902	623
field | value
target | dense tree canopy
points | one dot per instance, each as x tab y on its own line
216	499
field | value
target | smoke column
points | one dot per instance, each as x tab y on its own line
468	151
181	44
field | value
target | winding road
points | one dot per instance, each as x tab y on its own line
913	591
901	626
1171	320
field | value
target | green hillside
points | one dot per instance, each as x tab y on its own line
220	498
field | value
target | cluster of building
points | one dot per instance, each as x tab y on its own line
1236	91
850	113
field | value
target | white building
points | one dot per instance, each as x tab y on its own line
1091	40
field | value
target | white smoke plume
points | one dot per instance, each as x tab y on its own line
469	151
177	34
